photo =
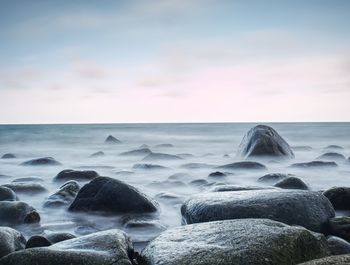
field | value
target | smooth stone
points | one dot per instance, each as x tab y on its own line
169	197
7	194
79	175
302	148
185	155
310	209
292	183
339	197
338	246
48	240
44	161
223	188
217	174
10	241
331	260
340	226
137	152
64	196
112	140
244	165
264	141
97	154
59	237
166	183
27	188
314	164
334	147
107	247
199	182
114	196
243	242
8	156
196	166
28	179
332	156
17	213
164	146
178	176
161	156
149	167
124	173
273	177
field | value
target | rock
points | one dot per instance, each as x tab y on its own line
112	140
108	247
196	166
310	209
217	174
340	226
8	156
161	156
169	197
332	260
59	237
164	146
70	174
6	194
148	167
243	242
64	196
97	154
10	241
244	165
273	177
17	213
178	176
27	188
302	148
292	183
332	156
110	195
223	188
167	184
338	246
28	179
264	141
314	164
334	147
137	152
44	161
339	197
199	182
185	155
47	240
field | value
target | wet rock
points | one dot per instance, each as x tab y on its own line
110	195
44	161
332	157
169	197
262	141
314	164
47	240
124	173
166	184
107	247
161	156
199	182
28	179
64	196
217	174
137	152
244	165
292	183
310	209
59	237
148	167
196	166
339	197
143	146
178	176
26	188
164	146
6	194
17	213
338	246
273	177
97	154
10	241
185	155
340	226
112	140
223	188
70	174
243	242
331	260
334	147
302	148
8	156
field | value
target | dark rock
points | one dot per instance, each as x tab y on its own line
185	155
339	197
148	167
178	176
27	188
340	226
338	246
164	146
244	165
111	195
6	194
169	197
331	260
334	147
10	241
70	174
97	154
64	196
137	152
112	140
38	241
310	209
44	161
17	213
107	247
8	156
331	156
243	242
314	164
28	179
161	156
124	172
217	174
292	183
262	141
199	182
273	177
196	166
223	188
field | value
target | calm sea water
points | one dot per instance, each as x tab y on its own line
206	143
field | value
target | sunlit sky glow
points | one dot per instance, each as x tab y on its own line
174	61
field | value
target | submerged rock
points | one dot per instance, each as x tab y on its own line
223	188
137	152
112	140
339	197
8	156
331	260
334	147
47	240
44	161
292	183
27	188
262	141
164	146
244	165
114	196
217	174
314	164
148	167
79	175
17	213
332	156
10	241
97	154
340	226
338	246
302	148
196	166
7	194
243	242
199	182
28	179
274	177
161	156
310	209
107	247
64	196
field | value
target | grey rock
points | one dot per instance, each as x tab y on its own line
331	156
314	164
47	240
112	140
6	194
161	156
334	147
340	226
79	175
292	183
149	167
196	166
137	152
28	179
199	182
26	188
10	241
223	188
332	260
8	156
97	154
244	165
339	197
44	161
273	178
338	246
64	196
217	174
17	213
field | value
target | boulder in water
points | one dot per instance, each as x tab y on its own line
148	167
217	174
272	178
314	164
112	140
13	213
47	240
79	175
137	152
26	188
64	196
7	194
44	161
161	156
331	156
292	183
8	156
244	165
331	260
338	246
340	226
10	241
97	154
339	197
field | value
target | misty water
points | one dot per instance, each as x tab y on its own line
210	145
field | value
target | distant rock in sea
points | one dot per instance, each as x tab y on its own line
112	140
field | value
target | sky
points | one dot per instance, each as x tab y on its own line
174	61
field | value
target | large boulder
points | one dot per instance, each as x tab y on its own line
243	242
10	241
114	196
111	247
17	213
79	175
6	194
331	260
340	226
47	240
294	207
338	246
292	183
64	196
264	141
339	197
44	161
